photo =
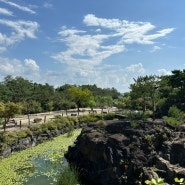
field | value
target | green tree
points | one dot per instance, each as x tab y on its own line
19	89
92	103
8	111
50	106
4	93
80	96
101	102
29	107
43	94
177	82
123	102
145	92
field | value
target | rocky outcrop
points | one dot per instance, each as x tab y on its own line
33	140
121	152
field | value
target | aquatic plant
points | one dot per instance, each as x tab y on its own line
17	169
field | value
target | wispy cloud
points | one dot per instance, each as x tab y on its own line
84	48
23	8
136	68
48	5
20	30
155	48
129	31
6	12
87	49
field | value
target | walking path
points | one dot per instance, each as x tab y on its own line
14	123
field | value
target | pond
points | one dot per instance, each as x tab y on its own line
39	165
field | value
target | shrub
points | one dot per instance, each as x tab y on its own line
137	115
175	116
134	124
109	116
176	113
36	129
155	181
88	118
101	122
43	127
9	138
72	119
51	125
22	134
172	121
68	176
70	130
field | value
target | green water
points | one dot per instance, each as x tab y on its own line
39	165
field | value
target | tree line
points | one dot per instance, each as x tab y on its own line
19	95
157	93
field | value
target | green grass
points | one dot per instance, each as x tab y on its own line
68	176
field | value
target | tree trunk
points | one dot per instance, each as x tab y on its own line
28	119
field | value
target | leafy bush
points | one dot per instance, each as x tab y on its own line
176	113
134	124
36	129
69	176
51	125
88	118
101	122
43	127
109	116
9	137
70	130
175	116
171	120
22	134
72	119
180	181
155	181
137	115
160	181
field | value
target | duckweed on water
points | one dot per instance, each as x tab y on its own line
17	169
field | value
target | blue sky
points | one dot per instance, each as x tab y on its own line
102	42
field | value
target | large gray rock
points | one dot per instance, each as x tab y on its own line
118	153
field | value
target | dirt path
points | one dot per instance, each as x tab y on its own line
45	117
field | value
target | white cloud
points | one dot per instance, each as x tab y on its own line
104	76
155	48
19	30
86	51
6	12
27	68
130	32
92	20
136	68
162	72
31	65
48	5
23	8
92	49
2	49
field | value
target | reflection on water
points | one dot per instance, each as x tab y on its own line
40	180
47	169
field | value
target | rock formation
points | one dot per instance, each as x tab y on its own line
123	152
